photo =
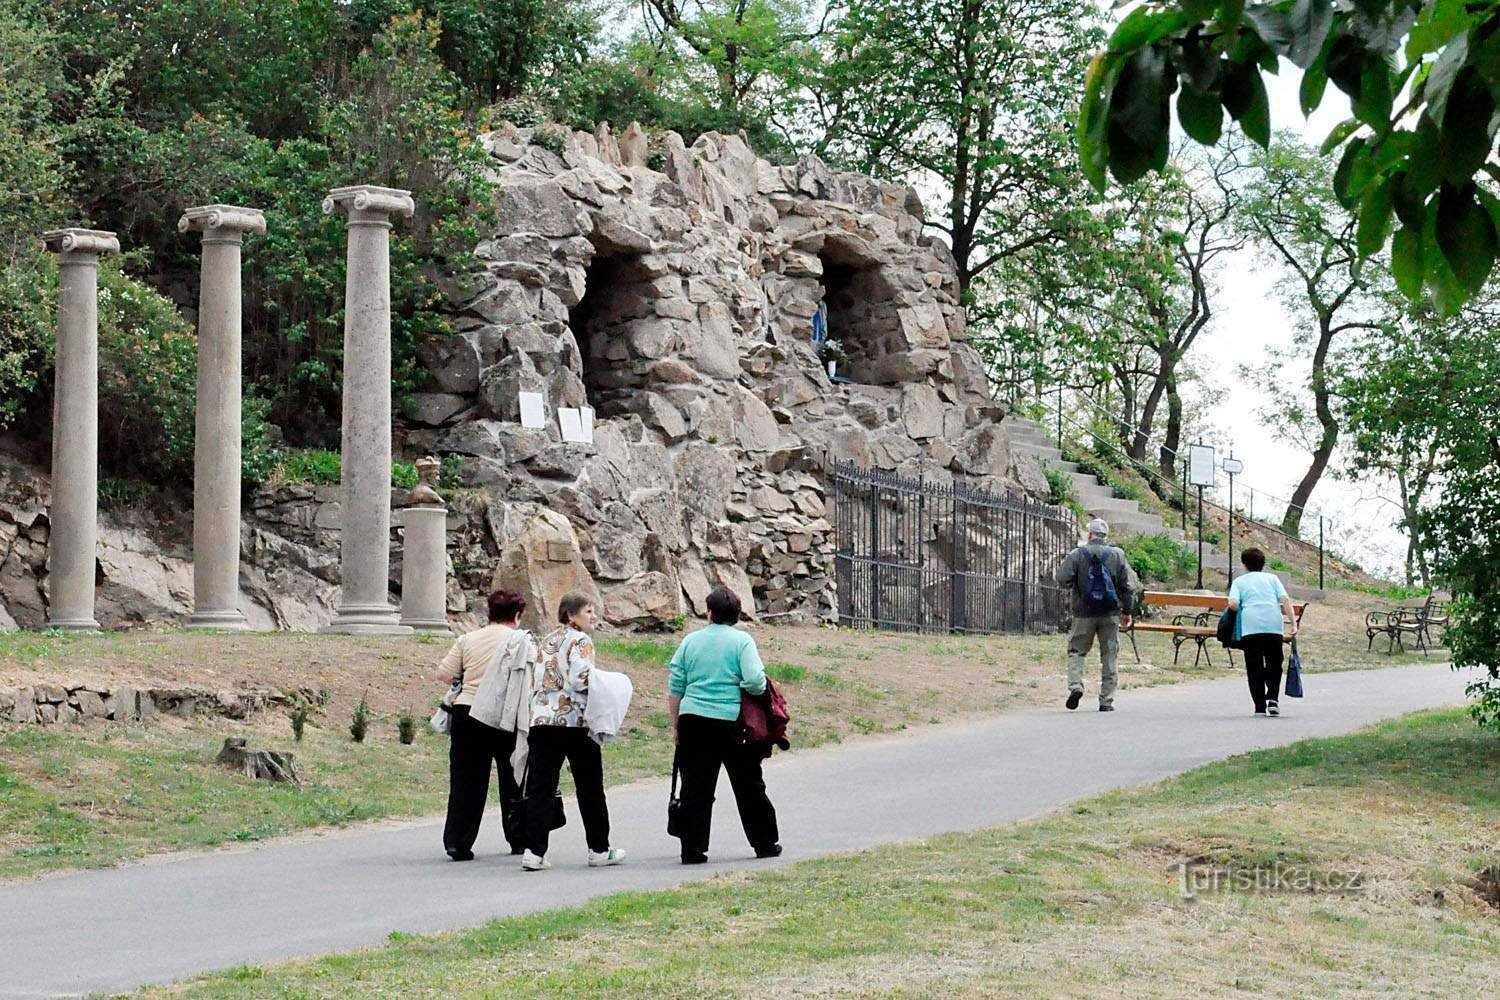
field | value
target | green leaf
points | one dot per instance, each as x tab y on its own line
1093	118
1448	294
1245	100
1410	202
1309	22
1467	129
1273	25
1438	23
1314	82
1200	115
1425	166
1441	79
1373	103
1336	137
1375	220
1199	64
1466	235
1343	176
1140	122
1145	26
1406	262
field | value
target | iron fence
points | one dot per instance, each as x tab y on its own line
913	555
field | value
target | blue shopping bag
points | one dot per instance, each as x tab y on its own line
1294	674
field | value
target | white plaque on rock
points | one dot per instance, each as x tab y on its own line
533	410
586	415
570	421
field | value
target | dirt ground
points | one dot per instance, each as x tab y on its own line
871	680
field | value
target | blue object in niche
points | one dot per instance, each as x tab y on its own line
820	325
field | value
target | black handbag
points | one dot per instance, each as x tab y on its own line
674	807
559	815
1228	626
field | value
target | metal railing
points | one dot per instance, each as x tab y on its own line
1178	486
914	555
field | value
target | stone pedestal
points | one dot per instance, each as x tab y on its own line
365	540
424	569
216	457
74	513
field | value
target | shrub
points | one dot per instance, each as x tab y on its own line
302	711
1158	558
315	466
404	475
359	724
406	727
1060	489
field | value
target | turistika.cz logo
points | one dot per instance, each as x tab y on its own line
1194	879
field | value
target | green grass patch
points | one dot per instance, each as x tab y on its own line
786	673
1062	907
639	650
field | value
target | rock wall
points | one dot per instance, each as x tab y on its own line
673	289
679	303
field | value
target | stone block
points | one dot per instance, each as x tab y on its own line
90	705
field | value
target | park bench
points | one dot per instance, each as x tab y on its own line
1404	621
1196	626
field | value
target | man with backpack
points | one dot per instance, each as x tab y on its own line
1104	588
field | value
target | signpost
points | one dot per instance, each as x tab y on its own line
1232	468
1200	474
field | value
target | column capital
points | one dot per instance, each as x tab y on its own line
80	241
368	198
222	220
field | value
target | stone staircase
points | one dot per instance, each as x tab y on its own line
1125	517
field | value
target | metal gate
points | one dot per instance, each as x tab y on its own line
918	556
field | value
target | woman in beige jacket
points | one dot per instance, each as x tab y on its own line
477	748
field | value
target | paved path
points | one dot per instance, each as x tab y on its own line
121	928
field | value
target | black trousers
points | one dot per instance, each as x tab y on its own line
703	745
1263	667
475	750
547	748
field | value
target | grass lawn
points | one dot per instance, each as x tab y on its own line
95	796
1085	903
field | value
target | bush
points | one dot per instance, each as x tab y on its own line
1060	489
1159	559
314	466
359	724
404	475
406	727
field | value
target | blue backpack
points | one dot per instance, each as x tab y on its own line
1099	594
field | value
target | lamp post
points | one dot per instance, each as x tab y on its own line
1232	468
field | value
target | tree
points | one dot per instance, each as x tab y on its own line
1288	211
1417	164
1184	220
749	55
1409	376
973	99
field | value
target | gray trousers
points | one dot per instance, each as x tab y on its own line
1107	628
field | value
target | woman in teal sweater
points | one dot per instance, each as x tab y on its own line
707	673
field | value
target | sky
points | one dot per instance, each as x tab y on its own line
1249	320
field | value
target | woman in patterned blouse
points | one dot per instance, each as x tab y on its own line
559	695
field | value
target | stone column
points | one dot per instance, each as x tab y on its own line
74	514
216	455
365	539
424	561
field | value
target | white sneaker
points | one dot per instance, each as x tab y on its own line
1272	708
613	856
531	863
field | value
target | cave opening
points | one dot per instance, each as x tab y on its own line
859	314
614	297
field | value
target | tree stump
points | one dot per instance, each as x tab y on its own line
271	765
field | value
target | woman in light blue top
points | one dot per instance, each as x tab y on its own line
1264	611
704	680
